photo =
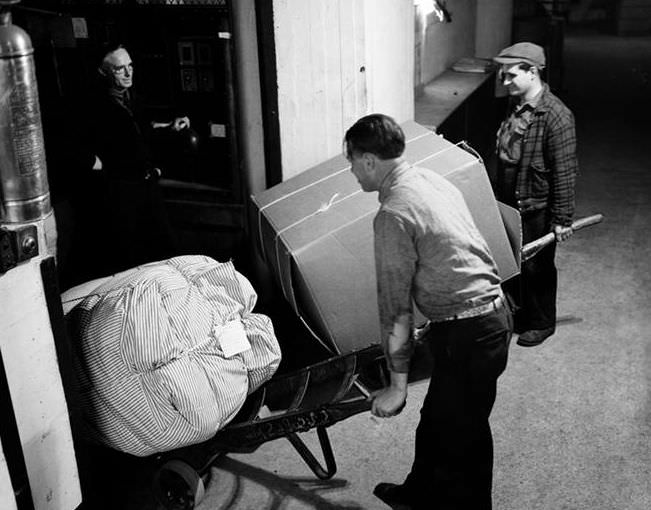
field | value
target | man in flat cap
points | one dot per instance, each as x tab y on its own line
536	170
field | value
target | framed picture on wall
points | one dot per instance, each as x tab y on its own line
206	80
186	53
189	80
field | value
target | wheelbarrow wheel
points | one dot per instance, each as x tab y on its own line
178	486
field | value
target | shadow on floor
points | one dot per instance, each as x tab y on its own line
118	481
275	489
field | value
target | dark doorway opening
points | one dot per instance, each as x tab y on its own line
183	65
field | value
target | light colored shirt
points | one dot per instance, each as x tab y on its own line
428	251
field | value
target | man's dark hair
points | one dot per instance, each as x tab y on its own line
376	133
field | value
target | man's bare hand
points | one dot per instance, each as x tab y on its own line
419	332
562	233
180	123
388	402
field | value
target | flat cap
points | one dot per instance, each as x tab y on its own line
522	52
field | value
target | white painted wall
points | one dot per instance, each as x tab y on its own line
30	361
336	61
251	133
340	59
390	57
442	44
479	28
494	22
7	498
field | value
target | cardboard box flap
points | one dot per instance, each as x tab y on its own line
304	234
413	130
319	175
342	295
513	226
432	147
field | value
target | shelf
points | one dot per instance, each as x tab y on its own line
445	94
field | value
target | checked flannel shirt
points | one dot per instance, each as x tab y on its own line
548	165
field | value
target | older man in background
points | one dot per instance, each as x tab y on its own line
133	225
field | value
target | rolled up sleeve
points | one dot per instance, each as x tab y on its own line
395	265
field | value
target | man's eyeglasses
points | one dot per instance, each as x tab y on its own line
122	70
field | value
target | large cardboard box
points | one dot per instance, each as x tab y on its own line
315	232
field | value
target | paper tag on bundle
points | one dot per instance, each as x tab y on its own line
232	339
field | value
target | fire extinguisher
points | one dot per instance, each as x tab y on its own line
24	190
27	225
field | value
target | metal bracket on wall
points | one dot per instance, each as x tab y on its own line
16	246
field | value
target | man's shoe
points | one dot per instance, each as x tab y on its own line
393	495
534	337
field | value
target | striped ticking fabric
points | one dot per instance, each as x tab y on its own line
149	354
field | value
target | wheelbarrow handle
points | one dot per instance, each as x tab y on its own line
530	249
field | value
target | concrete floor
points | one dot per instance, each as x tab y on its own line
572	422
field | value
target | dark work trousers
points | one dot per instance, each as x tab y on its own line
539	279
136	227
453	462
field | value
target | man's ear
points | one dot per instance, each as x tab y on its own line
102	72
369	159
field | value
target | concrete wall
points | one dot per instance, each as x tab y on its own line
340	59
494	22
444	43
336	61
36	389
389	32
479	28
251	134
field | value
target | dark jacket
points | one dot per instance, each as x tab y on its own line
130	222
117	138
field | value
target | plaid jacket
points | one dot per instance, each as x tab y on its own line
548	163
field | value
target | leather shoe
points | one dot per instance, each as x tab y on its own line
393	495
534	337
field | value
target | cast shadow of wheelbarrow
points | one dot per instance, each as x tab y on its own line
235	484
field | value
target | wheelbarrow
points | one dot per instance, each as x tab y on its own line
317	396
314	397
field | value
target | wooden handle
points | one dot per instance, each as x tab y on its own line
530	249
587	221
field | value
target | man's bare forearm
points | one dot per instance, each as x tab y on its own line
399	345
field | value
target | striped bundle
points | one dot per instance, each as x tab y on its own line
166	353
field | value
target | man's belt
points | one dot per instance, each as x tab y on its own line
477	311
